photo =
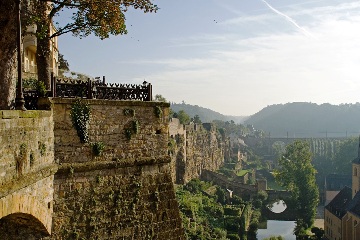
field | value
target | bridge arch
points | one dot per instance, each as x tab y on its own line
26	212
289	214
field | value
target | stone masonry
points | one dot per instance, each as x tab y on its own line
125	192
26	174
195	147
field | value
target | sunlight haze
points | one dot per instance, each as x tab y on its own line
233	56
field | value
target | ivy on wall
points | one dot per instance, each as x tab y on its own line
98	148
80	117
158	111
134	126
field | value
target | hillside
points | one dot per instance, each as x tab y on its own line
205	114
301	119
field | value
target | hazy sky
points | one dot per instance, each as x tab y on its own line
233	56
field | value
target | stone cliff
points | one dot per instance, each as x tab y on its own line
195	147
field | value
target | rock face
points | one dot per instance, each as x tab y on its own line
118	185
195	147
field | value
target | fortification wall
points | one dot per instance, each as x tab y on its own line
127	191
199	147
26	173
108	124
26	143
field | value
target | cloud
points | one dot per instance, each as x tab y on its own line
251	73
288	18
294	10
240	74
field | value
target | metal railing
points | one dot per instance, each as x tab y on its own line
91	89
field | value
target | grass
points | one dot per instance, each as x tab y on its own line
273	185
242	173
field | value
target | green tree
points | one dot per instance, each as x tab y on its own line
101	18
183	117
159	98
196	119
274	238
63	64
319	232
297	174
347	152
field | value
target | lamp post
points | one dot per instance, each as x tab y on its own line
19	100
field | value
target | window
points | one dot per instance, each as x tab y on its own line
355	171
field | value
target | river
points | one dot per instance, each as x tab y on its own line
277	228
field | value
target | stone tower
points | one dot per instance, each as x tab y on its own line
356	173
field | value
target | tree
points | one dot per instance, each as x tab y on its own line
347	152
101	18
159	98
8	23
63	64
196	119
297	174
183	117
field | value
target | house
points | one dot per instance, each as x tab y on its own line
342	214
335	212
29	53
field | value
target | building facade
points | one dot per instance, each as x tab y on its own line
342	214
29	53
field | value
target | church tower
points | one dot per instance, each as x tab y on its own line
356	173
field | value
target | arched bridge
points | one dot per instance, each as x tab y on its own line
26	210
289	214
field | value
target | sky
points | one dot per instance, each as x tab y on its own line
232	56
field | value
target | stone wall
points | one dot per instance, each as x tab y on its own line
239	188
26	173
127	191
26	143
195	147
108	124
124	200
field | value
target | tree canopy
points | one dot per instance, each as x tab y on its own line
297	174
183	117
102	18
98	17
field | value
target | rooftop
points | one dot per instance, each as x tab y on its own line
338	206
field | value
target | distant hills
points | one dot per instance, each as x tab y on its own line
298	119
302	119
205	114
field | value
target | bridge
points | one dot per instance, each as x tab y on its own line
288	214
320	146
27	171
246	190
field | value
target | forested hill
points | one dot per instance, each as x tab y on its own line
205	114
301	119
